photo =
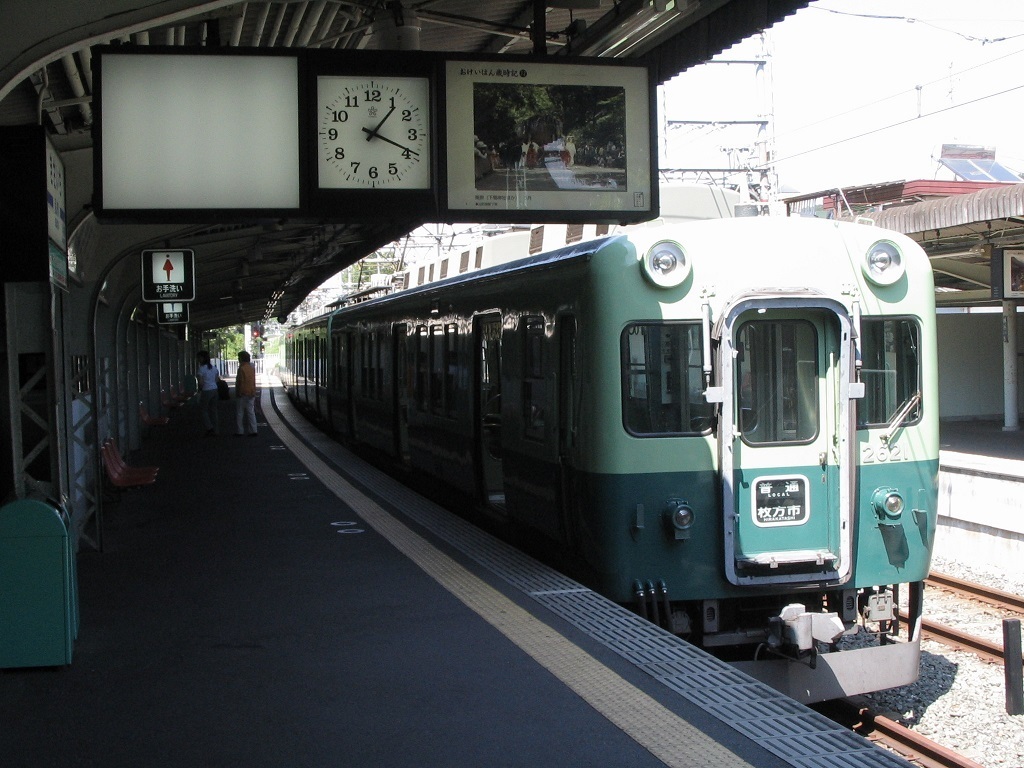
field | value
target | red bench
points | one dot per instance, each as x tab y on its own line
151	421
169	402
120	474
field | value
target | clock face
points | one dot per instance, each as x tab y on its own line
373	132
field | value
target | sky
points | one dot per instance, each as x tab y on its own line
862	92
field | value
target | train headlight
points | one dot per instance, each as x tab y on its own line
888	504
665	264
883	263
679	518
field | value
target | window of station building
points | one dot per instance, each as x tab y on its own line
534	391
463	262
422	275
479	256
536	240
777	381
444	269
891	370
573	233
662	380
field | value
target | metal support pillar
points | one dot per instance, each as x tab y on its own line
1011	416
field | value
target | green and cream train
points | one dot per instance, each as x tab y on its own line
731	424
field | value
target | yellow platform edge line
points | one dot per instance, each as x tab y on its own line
664	734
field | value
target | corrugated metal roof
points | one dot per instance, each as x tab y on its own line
985	207
958	233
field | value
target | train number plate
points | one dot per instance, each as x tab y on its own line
780	501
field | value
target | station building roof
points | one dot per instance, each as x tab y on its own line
958	223
261	270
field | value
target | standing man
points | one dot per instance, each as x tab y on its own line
245	396
208	376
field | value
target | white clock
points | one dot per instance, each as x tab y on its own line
373	132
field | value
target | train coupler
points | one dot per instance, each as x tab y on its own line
795	632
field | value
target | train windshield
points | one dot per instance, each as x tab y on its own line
777	380
662	380
891	372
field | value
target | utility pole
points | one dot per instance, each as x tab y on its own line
754	162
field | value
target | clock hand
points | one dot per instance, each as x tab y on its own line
372	134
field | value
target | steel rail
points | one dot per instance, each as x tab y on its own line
891	735
997	597
962	641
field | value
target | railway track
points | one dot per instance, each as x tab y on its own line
890	734
1003	600
955	638
887	733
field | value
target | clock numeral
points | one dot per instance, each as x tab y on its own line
373	95
332	134
406	115
355	166
339	153
413	134
408	154
372	173
351	101
392	169
340	116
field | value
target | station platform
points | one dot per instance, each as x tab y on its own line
274	601
981	478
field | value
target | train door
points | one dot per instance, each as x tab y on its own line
350	380
568	397
786	434
487	342
400	390
319	389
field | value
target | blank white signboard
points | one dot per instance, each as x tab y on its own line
199	132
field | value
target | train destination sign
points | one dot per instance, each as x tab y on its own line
168	276
780	501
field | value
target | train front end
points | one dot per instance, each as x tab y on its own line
780	446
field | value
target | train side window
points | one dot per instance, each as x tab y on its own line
338	358
322	372
371	365
381	353
451	366
422	357
534	392
891	371
437	369
662	381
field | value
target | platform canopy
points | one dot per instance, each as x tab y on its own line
254	270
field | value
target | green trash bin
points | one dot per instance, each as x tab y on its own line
38	586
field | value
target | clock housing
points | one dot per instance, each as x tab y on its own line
371	135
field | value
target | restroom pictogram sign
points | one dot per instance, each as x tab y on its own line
168	276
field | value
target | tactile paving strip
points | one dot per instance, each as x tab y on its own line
788	729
